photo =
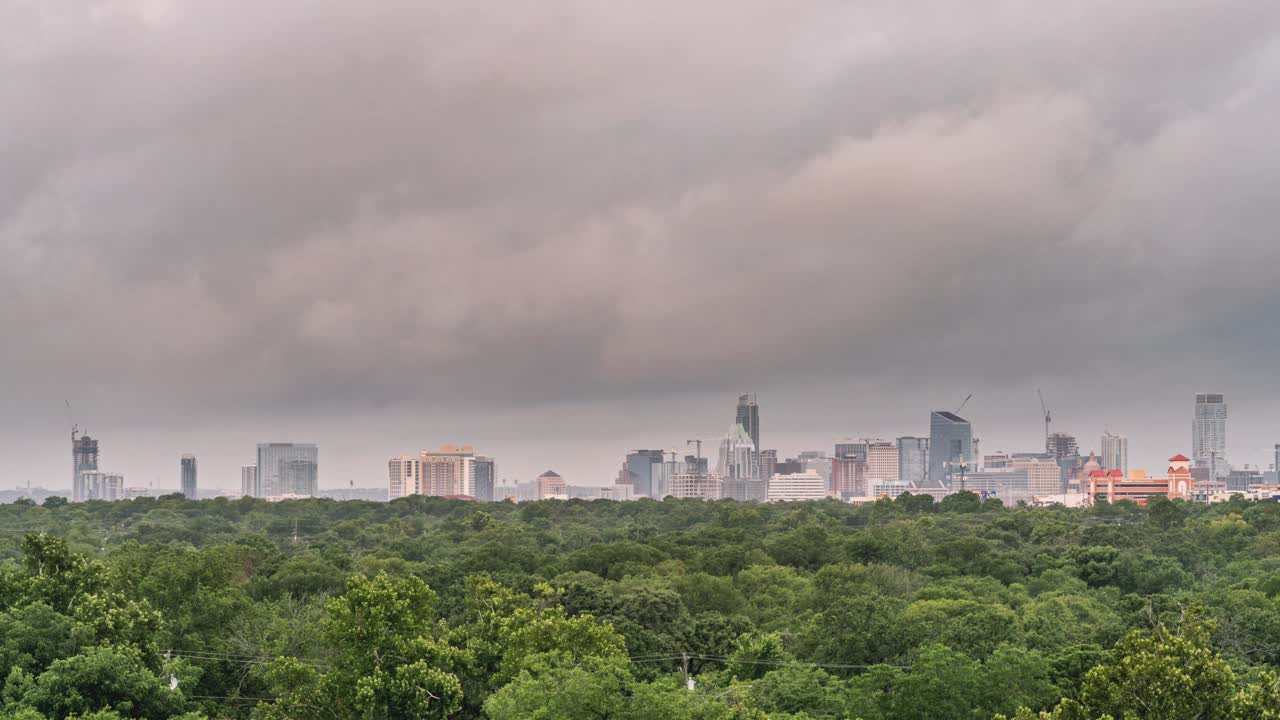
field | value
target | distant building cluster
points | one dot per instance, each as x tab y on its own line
735	466
449	471
950	459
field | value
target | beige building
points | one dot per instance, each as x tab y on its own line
882	462
552	487
1044	476
695	485
404	476
450	470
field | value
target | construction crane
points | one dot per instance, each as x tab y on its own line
75	429
1047	419
698	443
966	402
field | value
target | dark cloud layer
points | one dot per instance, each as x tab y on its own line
568	223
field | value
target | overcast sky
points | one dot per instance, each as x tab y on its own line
562	229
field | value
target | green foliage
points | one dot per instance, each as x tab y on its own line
908	608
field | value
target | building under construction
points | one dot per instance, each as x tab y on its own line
84	458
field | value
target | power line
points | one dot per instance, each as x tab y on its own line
756	661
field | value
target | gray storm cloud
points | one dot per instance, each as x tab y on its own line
265	208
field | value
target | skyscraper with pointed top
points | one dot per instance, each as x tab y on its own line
749	418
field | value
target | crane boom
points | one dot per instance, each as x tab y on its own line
1047	419
966	402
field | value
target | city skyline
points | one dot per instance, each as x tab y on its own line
558	232
1085	446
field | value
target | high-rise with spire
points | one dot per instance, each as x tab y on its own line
749	418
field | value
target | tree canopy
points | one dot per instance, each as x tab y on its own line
432	608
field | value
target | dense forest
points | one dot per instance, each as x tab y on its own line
432	608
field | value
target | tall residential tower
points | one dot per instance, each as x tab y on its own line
189	486
1209	435
1115	452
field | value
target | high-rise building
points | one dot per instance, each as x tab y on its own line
738	457
1062	445
1115	452
950	447
748	417
189	474
404	476
882	462
552	487
84	458
913	460
1209	435
249	481
848	475
768	463
449	470
484	478
288	469
644	471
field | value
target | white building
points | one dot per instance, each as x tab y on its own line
100	485
404	476
738	457
808	485
707	486
1115	452
249	481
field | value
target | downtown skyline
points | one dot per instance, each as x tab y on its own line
585	470
559	232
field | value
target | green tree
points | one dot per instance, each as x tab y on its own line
385	664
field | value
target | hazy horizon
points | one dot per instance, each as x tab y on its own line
562	231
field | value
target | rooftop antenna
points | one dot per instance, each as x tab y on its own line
1047	419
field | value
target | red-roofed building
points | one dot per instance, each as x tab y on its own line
1113	485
